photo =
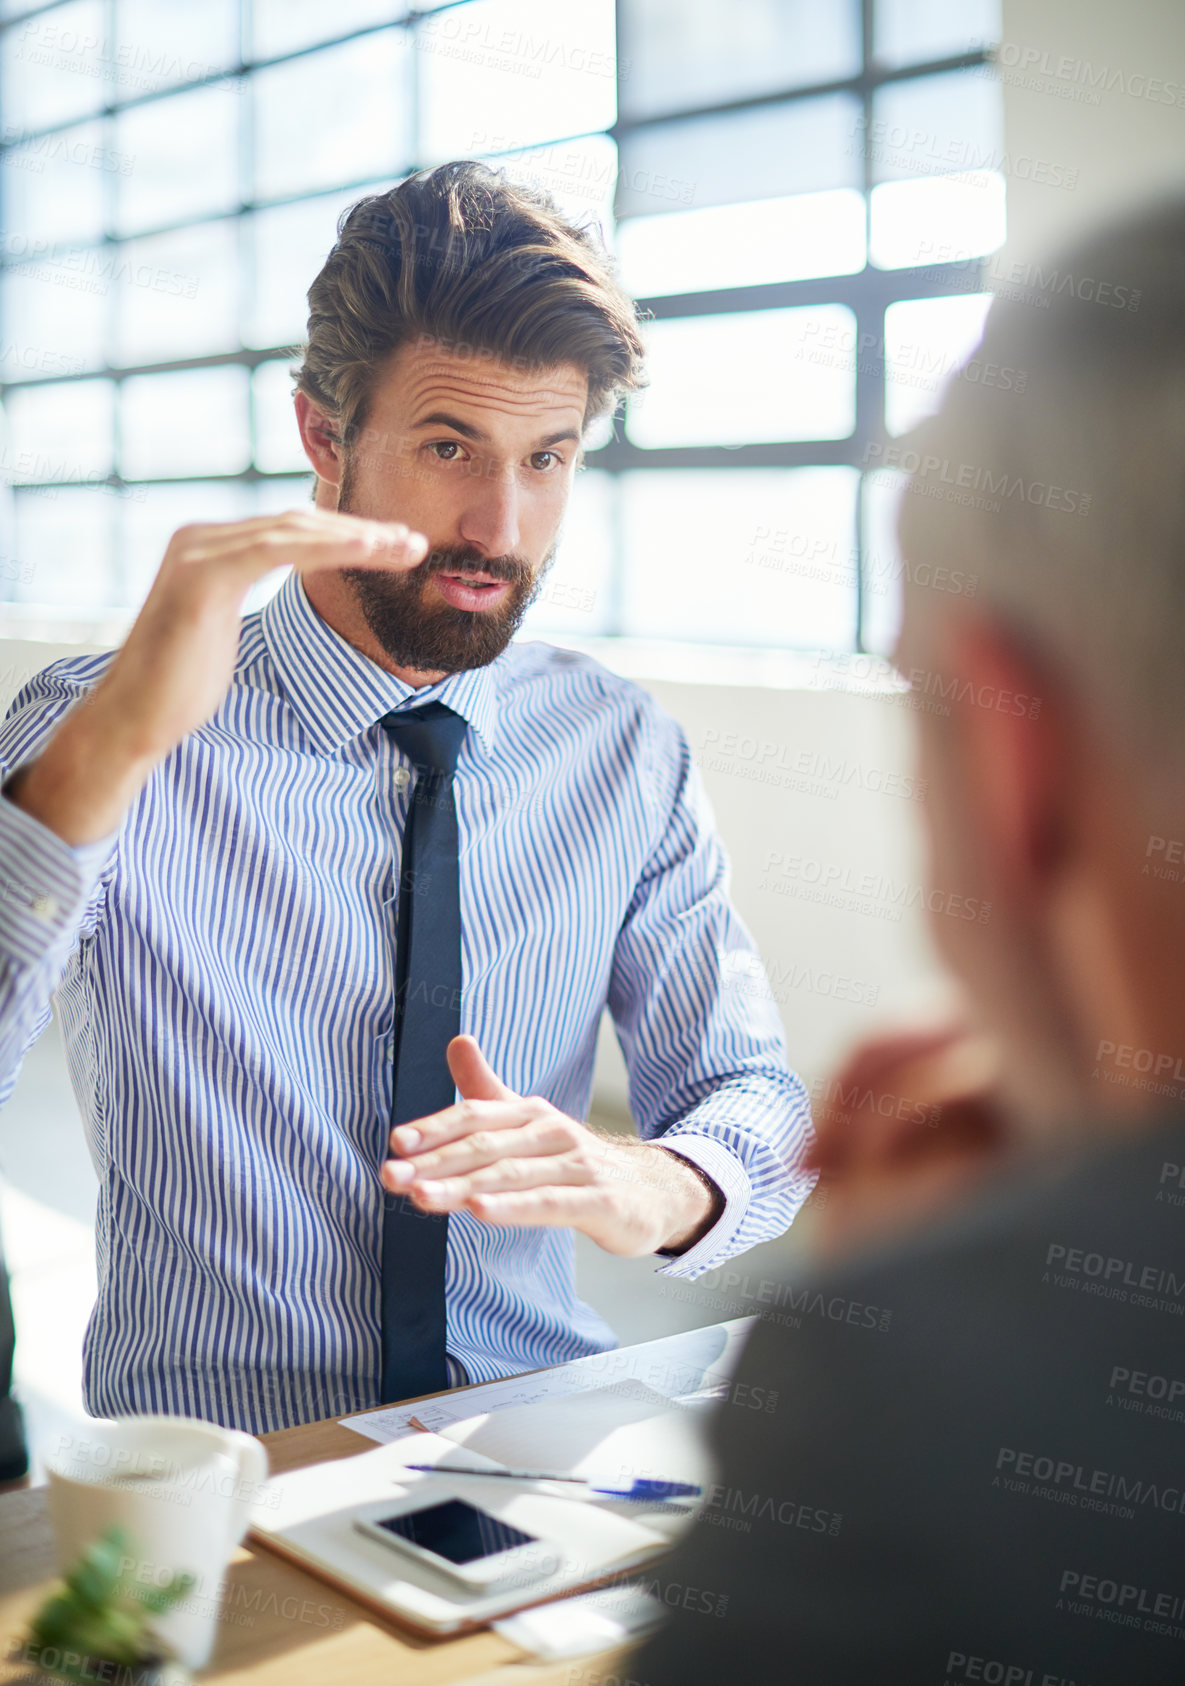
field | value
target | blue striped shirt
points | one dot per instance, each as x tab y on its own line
223	968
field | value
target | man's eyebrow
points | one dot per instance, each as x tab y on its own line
441	418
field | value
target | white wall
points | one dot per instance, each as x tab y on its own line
835	822
1095	89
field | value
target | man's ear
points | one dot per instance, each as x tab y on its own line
1007	728
320	438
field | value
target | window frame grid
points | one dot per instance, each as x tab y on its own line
868	293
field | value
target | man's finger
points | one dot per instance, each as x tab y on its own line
542	1140
384	545
472	1072
508	1175
454	1122
295	523
309	550
552	1206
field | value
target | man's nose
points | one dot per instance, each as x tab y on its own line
490	521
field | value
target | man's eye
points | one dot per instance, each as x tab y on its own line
537	462
441	446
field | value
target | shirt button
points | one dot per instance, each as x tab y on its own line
401	778
45	907
391	1054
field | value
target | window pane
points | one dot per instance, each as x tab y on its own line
575	598
164	42
60	432
288	491
743	245
10	563
947	219
912	31
277	437
580	175
743	379
937	145
52	69
53	189
192	422
803	147
937	126
174	180
362	97
289	245
64	547
741	556
271	497
54	316
284	26
926	340
500	74
177	294
152	514
883	574
681	53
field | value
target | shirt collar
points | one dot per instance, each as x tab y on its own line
338	693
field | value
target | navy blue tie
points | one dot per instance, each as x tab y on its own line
427	1017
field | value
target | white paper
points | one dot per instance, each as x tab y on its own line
558	1435
592	1621
611	1436
694	1365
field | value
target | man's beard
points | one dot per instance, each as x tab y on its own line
433	637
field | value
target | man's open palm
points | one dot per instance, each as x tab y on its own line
516	1159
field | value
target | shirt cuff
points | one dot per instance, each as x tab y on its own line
45	884
731	1178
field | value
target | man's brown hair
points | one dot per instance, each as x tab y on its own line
482	265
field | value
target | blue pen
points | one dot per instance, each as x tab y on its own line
642	1490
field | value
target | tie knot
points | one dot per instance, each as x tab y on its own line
430	737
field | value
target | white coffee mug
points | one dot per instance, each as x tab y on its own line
182	1490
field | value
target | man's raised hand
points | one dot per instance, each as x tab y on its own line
176	665
178	660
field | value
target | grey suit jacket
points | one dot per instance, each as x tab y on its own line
974	1466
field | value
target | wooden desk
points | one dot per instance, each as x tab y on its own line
280	1626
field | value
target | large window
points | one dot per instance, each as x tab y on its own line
802	197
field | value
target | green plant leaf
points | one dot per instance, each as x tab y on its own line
160	1599
95	1616
95	1577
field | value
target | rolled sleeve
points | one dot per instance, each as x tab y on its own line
46	885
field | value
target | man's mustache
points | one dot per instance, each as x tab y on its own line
458	559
